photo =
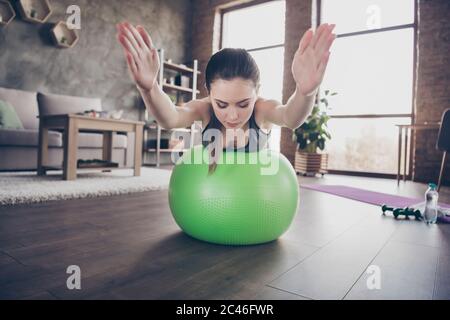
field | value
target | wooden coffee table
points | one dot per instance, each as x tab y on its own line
72	124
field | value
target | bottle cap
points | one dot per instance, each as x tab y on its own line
432	186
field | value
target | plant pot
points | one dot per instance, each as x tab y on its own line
311	163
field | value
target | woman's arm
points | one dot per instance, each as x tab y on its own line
167	114
160	106
290	115
308	69
143	64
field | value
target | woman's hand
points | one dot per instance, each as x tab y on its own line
311	58
142	57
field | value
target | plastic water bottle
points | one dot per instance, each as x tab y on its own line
431	201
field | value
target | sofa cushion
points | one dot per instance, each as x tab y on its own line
25	104
50	104
28	138
95	140
8	117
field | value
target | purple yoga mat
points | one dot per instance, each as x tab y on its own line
376	198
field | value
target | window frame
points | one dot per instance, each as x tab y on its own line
243	6
411	115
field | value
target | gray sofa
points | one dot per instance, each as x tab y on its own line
18	148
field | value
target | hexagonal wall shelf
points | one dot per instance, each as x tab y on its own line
7	13
35	11
63	36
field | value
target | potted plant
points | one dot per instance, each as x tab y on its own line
311	137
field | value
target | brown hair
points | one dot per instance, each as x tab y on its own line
228	64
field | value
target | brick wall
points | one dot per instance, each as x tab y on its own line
206	41
298	20
433	83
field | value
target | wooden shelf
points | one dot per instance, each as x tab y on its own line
154	127
63	36
179	68
166	150
185	87
180	129
35	11
178	88
7	13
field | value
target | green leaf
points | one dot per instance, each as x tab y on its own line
321	144
313	133
314	136
302	144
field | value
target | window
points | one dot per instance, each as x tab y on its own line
363	15
371	69
248	28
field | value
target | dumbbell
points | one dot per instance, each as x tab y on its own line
385	208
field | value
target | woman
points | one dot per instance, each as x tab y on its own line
232	81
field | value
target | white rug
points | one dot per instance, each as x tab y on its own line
27	187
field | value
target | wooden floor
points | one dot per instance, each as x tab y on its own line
129	247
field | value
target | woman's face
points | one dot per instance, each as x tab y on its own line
233	101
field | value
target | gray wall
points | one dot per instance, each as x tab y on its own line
95	67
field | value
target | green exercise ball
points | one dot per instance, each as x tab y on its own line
250	198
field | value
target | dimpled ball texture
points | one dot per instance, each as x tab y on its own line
237	204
